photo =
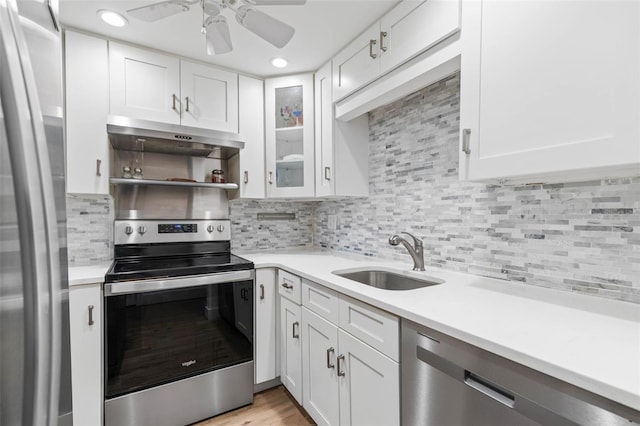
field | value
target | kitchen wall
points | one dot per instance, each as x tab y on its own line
89	229
582	237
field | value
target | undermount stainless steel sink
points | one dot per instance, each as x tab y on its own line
386	279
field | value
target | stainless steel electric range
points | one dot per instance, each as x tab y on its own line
178	323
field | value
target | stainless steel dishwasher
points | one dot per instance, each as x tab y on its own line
447	382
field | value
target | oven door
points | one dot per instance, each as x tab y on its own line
162	330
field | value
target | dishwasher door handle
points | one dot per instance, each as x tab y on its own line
491	390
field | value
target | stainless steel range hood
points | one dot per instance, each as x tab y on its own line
131	134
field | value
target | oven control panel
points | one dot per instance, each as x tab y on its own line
176	228
167	231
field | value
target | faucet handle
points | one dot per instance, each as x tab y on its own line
416	241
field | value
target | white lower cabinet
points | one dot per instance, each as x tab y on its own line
85	317
346	381
369	385
265	325
320	376
291	348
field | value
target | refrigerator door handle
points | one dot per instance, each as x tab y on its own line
37	223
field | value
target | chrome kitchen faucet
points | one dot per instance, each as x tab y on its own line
417	253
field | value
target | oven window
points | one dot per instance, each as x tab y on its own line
161	336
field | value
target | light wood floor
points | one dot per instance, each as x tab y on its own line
271	407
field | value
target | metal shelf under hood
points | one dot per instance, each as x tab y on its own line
130	181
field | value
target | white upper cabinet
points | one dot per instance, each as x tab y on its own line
87	145
342	148
289	141
144	84
410	28
153	86
249	163
357	64
550	90
210	97
413	26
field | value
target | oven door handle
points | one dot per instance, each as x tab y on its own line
142	286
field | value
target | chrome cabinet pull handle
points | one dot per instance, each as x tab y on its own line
287	286
246	176
293	331
383	35
174	102
270	178
466	136
91	322
98	162
340	370
327	173
186	98
371	44
329	352
261	291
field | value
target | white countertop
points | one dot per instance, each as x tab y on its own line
92	274
590	342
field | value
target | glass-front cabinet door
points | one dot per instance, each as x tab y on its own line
289	136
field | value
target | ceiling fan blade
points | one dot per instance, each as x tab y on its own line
218	36
269	28
156	11
279	2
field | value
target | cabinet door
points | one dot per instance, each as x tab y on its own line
545	95
319	377
324	131
291	348
265	331
250	161
414	26
209	97
289	136
85	306
369	384
87	145
357	64
144	84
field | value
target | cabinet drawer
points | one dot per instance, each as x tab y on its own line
377	328
321	300
289	286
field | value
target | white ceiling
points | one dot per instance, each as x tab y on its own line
323	27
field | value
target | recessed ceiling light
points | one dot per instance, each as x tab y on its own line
279	62
112	18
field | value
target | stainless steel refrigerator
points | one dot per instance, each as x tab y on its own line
35	371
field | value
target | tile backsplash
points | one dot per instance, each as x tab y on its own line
582	237
89	229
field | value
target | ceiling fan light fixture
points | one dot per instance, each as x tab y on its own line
272	30
112	18
279	62
218	36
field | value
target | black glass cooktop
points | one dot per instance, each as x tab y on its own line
173	260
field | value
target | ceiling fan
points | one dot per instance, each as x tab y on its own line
214	24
